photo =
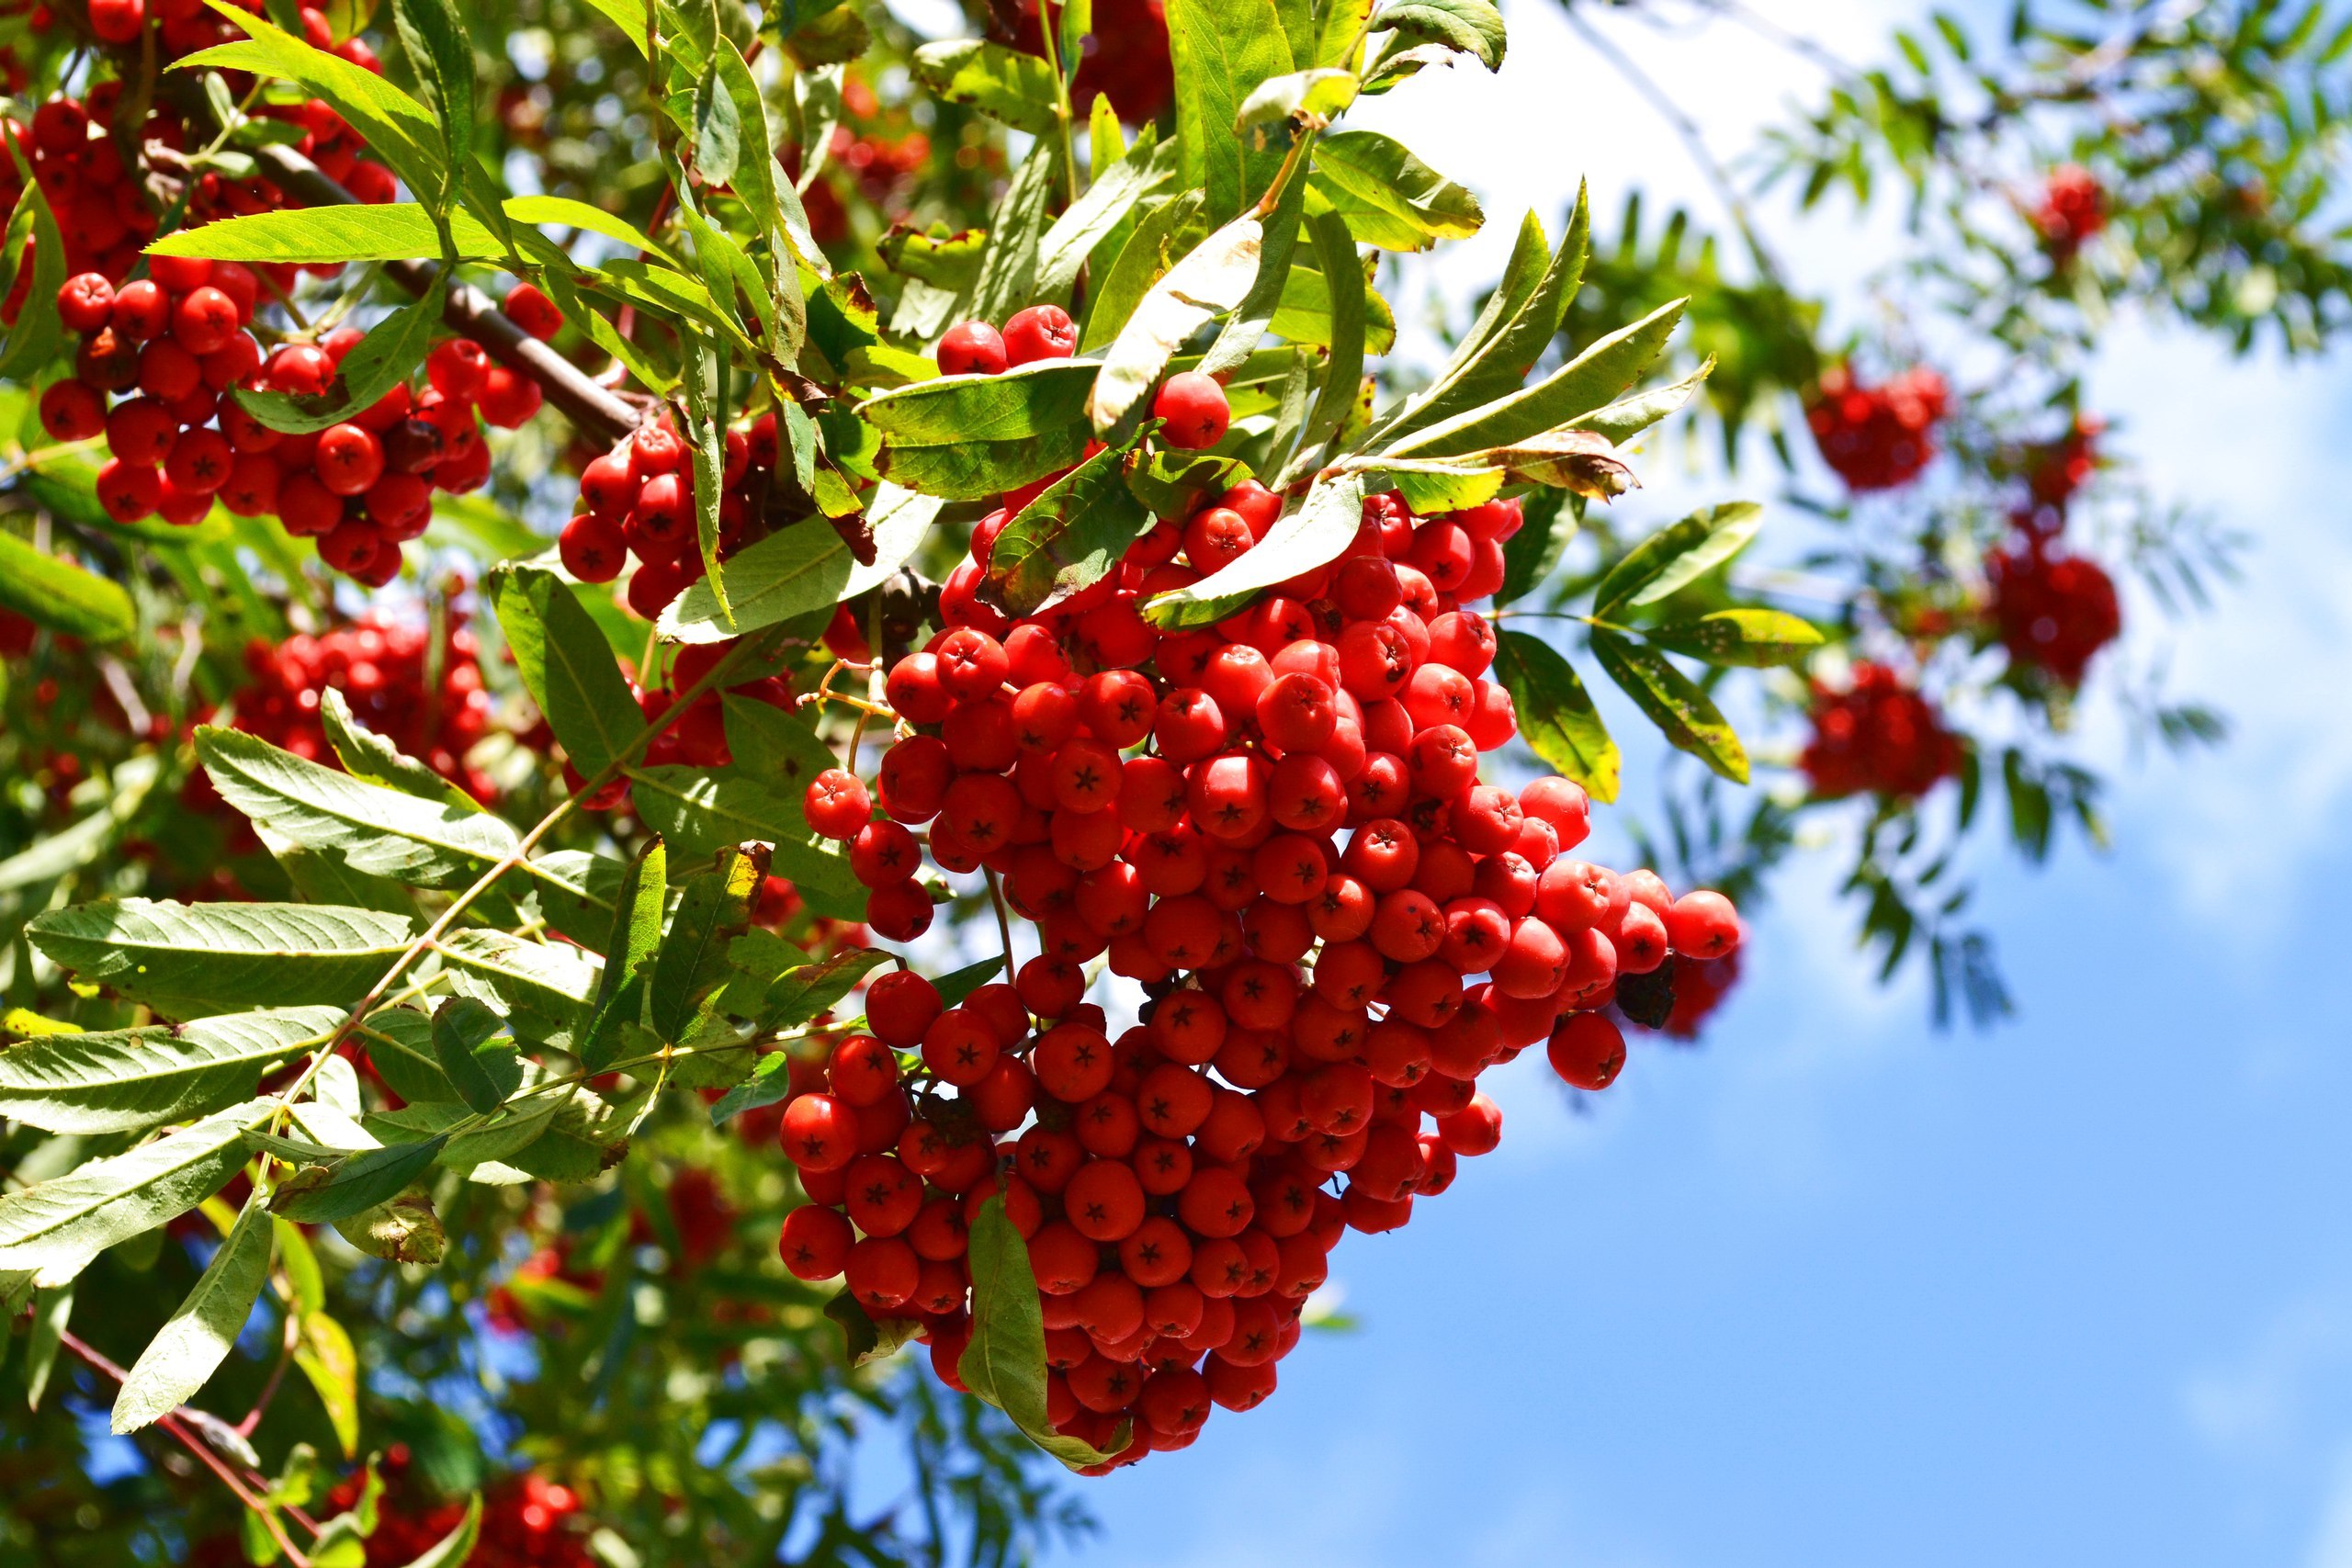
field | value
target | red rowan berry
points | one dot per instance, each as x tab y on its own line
815	1242
820	1132
835	804
1194	409
1587	1051
899	913
971	348
532	311
1040	332
883	1273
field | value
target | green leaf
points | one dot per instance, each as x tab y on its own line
1389	196
325	1355
38	334
1467	26
1211	279
806	567
1335	254
699	814
1012	88
1168	483
864	1339
60	596
193	958
1070	536
771	1080
1744	638
131	1079
691	965
52	1309
470	1042
1317	532
1627	417
56	1226
956	986
1582	386
1165	231
636	933
399	1041
375	831
1221	50
392	231
550	981
1677	555
386	357
443	58
1556	717
328	1193
1548	526
368	755
802	992
994	424
393	126
1686	715
1007	279
565	212
1093	218
1004	1364
198	1337
566	665
399	1230
1318	95
305	1280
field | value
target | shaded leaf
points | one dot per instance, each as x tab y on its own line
1678	554
566	665
1469	27
1012	88
806	567
55	1227
1221	50
806	990
1743	637
368	755
196	1338
196	958
62	596
1548	525
325	1194
1686	715
1004	1362
131	1079
635	935
325	1355
1070	537
692	964
699	814
1318	531
1213	278
399	1230
1387	196
470	1042
1556	717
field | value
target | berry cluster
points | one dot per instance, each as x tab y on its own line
1879	735
385	671
2057	470
1275	825
172	345
2054	610
637	501
1877	437
2073	208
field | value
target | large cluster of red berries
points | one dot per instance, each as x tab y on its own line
386	671
1277	827
2073	208
527	1521
2054	610
2056	471
172	345
1879	735
1877	437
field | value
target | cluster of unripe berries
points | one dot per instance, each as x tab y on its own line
1877	437
386	671
171	347
1878	736
1276	826
2073	208
1190	406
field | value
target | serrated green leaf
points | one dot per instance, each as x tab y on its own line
1686	715
327	1359
375	831
956	986
770	1080
1317	532
452	1549
1211	279
1070	536
1007	279
802	993
1467	26
131	1079
1012	89
1556	717
196	1338
699	814
399	1043
1678	554
368	755
470	1043
863	1339
385	358
636	935
1094	216
1168	483
443	58
1387	196
545	986
37	334
62	596
800	568
1548	524
1221	50
328	1193
55	1227
691	965
1745	639
1582	386
566	665
1004	1362
186	959
52	1309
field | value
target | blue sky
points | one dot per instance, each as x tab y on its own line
1837	1290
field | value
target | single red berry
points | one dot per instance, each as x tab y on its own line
1195	410
1040	332
532	311
972	348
